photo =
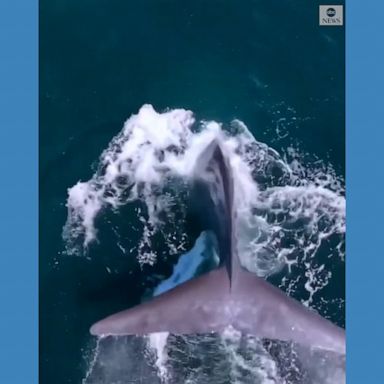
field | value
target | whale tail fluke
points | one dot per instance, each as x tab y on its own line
192	307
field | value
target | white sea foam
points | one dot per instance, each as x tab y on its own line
154	147
157	342
256	363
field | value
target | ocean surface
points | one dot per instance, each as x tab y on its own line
130	93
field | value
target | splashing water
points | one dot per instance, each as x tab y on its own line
291	221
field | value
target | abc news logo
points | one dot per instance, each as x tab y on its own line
331	15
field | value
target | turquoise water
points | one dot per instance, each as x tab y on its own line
267	64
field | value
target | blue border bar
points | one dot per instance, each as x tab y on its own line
365	191
18	191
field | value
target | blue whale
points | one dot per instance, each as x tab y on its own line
229	295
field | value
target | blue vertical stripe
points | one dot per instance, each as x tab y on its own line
365	191
18	191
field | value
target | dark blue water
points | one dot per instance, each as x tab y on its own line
100	61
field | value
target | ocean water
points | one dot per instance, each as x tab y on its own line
130	93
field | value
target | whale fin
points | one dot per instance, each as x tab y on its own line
196	306
267	312
208	304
